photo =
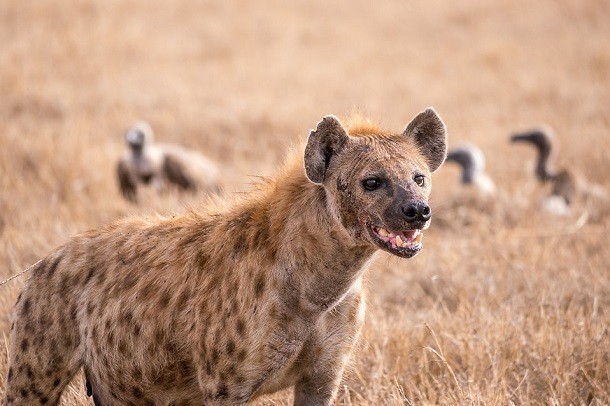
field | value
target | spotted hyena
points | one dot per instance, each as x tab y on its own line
222	305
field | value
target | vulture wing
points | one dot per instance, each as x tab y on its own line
127	182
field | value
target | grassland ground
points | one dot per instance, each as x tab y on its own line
505	304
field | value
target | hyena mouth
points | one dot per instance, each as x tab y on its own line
404	243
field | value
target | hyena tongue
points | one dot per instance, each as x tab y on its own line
411	236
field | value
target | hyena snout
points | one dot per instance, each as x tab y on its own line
416	212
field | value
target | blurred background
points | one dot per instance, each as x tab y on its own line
505	305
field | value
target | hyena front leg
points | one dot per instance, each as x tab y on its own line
330	350
45	350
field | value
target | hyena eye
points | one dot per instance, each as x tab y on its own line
371	183
420	180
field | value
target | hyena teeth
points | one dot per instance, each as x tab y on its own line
399	242
383	232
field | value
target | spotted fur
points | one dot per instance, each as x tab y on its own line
222	305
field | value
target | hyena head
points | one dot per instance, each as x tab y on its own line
377	184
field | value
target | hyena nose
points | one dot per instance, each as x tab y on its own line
419	211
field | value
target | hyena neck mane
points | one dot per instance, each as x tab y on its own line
288	226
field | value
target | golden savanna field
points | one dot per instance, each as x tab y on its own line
505	304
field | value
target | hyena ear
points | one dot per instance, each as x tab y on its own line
430	135
327	139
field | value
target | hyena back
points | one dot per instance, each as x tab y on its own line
226	304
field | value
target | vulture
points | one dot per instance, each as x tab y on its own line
478	201
161	165
568	188
565	184
472	162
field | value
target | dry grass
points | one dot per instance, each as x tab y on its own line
504	306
